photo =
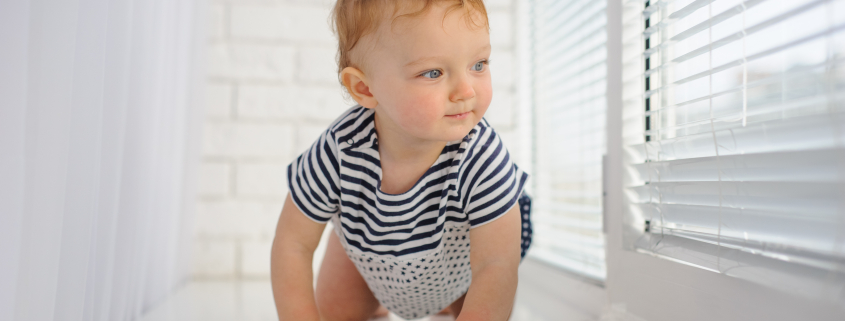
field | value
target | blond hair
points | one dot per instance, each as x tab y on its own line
353	19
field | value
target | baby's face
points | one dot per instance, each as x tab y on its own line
430	75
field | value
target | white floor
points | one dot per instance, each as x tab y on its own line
253	301
235	300
227	300
544	294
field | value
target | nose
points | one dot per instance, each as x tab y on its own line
462	89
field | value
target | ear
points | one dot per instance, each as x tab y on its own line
357	85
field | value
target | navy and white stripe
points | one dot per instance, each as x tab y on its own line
474	180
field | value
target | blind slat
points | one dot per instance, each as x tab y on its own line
569	64
735	137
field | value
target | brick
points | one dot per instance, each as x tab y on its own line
325	104
324	3
256	300
500	113
328	103
242	219
501	28
317	65
291	102
306	135
214	179
263	180
501	68
218	100
216	21
245	140
304	24
250	1
251	61
268	102
497	4
255	258
213	258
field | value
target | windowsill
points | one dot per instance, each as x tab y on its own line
548	292
569	273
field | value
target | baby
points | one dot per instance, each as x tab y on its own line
425	200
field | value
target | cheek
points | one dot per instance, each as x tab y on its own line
483	96
410	108
420	107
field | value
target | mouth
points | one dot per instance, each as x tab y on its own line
459	116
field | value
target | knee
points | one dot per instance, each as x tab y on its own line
328	305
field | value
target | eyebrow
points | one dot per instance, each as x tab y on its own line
424	59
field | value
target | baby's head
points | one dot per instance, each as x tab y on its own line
421	64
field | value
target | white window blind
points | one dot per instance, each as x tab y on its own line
569	85
734	130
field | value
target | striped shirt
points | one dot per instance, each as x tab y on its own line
396	239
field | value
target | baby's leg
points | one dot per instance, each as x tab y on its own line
342	294
455	307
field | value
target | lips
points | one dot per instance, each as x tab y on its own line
459	116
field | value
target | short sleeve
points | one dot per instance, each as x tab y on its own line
313	179
498	182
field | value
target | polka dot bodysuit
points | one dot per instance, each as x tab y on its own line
412	249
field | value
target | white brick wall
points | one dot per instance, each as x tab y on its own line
272	89
251	61
295	23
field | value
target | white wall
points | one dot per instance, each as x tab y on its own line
272	87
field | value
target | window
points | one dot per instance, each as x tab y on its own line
570	72
734	135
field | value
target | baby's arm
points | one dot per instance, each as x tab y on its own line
494	255
290	264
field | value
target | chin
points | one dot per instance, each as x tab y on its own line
457	134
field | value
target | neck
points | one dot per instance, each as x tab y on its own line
397	146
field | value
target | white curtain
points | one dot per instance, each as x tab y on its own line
97	132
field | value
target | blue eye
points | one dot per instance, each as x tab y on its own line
433	74
479	66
